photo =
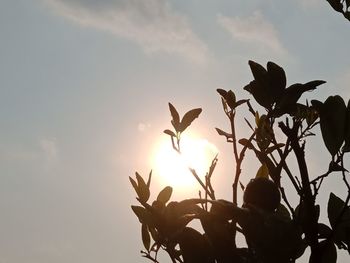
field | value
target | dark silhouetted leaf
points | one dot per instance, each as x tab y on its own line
240	102
134	184
188	118
277	79
143	190
149	179
142	214
347	129
146	239
222	92
324	231
245	142
336	4
165	195
175	115
335	206
169	132
231	99
332	122
293	93
329	252
340	225
260	94
259	72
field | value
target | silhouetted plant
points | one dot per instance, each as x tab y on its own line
274	229
341	6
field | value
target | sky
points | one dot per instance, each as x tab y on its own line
84	92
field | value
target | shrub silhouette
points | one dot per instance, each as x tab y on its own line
274	230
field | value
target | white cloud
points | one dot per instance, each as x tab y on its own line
255	30
150	23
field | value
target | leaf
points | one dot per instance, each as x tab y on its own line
134	184
223	133
165	195
142	214
324	231
195	247
143	190
240	102
259	72
146	239
231	99
329	252
340	225
222	92
175	115
188	118
263	172
149	179
245	142
332	122
335	205
259	93
336	4
347	129
277	79
170	133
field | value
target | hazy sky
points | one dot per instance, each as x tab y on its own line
84	87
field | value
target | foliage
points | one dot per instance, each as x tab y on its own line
274	230
341	6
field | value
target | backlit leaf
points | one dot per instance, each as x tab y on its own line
175	115
245	142
263	171
169	132
188	118
142	214
143	190
134	184
146	239
165	195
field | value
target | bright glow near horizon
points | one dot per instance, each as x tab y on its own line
173	168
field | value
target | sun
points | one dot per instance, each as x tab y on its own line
173	168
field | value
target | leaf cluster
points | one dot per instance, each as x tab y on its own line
274	229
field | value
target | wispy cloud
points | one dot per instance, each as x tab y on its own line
255	30
152	24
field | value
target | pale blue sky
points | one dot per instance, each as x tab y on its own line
79	78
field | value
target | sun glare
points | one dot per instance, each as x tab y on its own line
173	168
